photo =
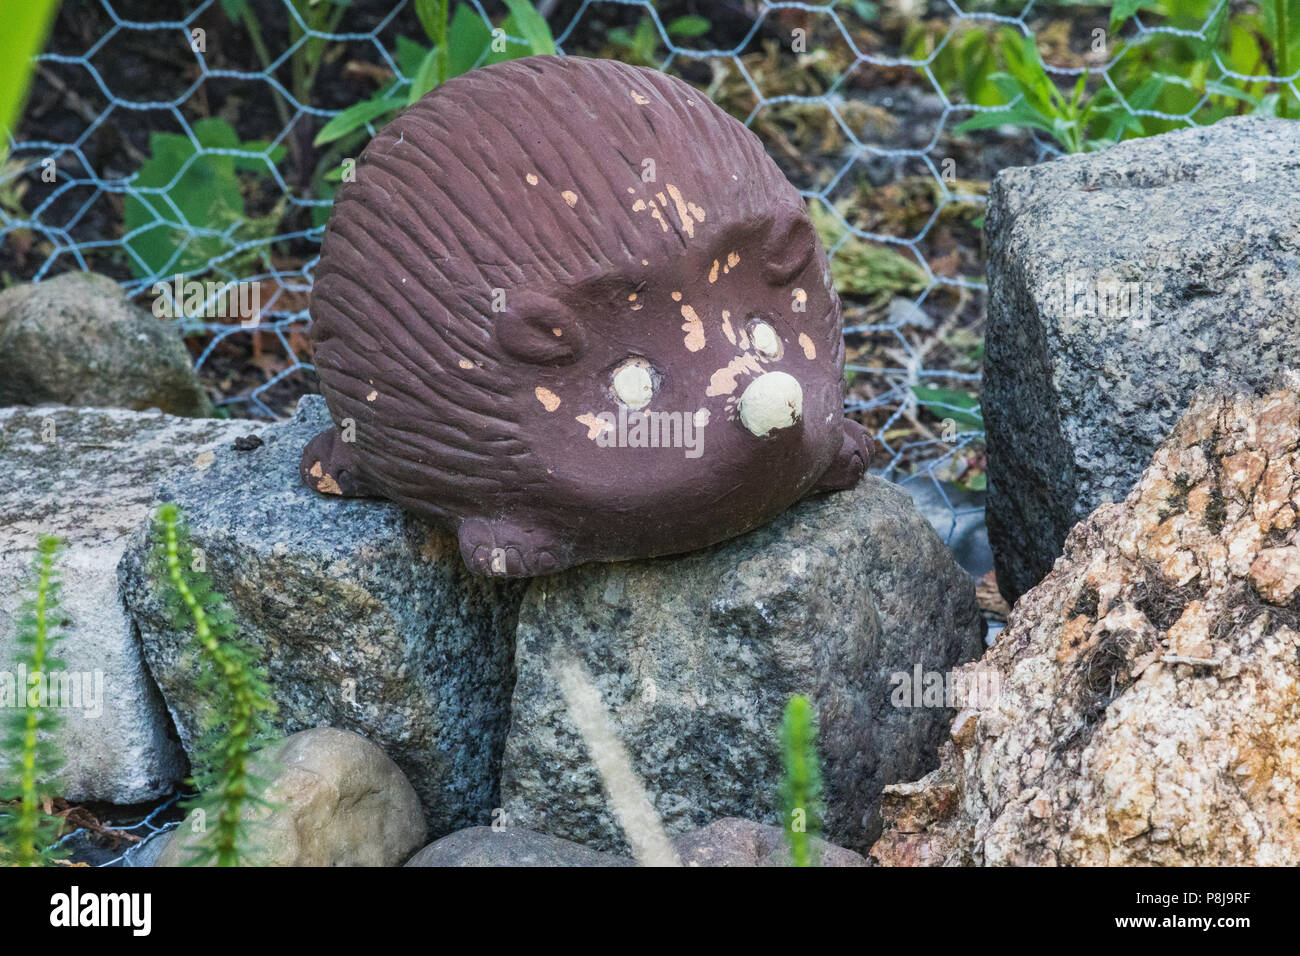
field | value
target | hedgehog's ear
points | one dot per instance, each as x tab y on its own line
789	246
538	329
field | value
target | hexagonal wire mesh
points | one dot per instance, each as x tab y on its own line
868	109
879	131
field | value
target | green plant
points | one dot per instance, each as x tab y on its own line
234	685
193	209
641	46
800	795
963	64
1033	100
23	37
962	407
458	47
27	834
313	18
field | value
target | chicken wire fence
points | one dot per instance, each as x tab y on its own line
82	188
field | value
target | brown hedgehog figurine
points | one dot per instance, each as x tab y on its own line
572	311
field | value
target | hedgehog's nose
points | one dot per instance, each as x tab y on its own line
771	401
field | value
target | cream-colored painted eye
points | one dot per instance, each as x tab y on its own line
766	341
633	385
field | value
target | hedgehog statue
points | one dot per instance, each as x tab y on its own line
572	311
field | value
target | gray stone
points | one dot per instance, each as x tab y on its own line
87	476
511	846
365	618
736	842
695	658
76	340
1205	225
727	842
334	799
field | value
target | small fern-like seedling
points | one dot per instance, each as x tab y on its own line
28	834
801	784
236	688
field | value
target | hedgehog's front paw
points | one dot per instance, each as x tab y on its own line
851	464
503	549
329	466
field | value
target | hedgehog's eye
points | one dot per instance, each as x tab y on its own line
766	341
632	383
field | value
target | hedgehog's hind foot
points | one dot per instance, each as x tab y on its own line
851	463
329	466
506	549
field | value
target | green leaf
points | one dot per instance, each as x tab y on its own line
409	55
467	41
426	77
356	116
432	15
689	26
531	26
961	407
1124	9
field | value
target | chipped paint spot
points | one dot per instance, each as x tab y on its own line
557	332
316	470
631	297
805	343
550	401
701	417
645	262
723	381
656	214
693	328
683	210
594	425
713	273
638	307
638	205
465	364
374	393
727	330
631	191
677	297
531	179
733	260
329	486
570	197
638	99
695	211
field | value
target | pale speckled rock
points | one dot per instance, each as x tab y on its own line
736	842
336	800
695	658
76	340
365	618
727	842
1147	704
87	475
511	846
1206	222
